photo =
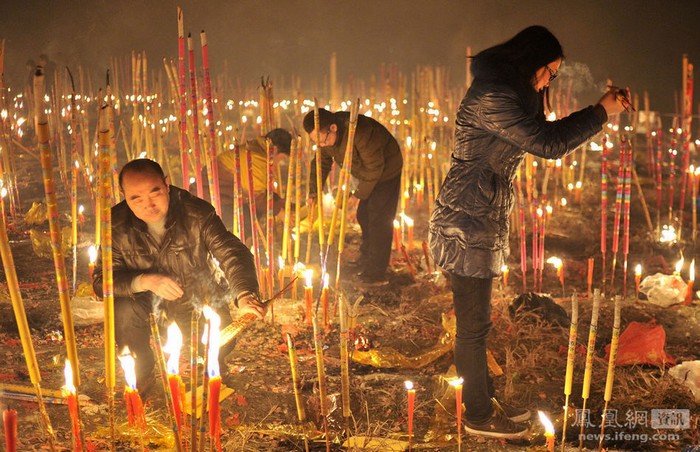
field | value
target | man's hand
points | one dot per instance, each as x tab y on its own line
250	304
161	285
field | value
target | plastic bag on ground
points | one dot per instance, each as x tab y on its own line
663	290
87	309
642	343
688	373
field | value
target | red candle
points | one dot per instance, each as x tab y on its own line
411	405
308	295
71	397
172	347
214	379
689	291
457	384
505	271
92	256
9	418
134	405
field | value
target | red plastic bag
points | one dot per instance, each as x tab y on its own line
642	343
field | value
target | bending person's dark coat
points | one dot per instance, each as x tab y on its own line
499	121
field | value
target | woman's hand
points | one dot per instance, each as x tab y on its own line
616	100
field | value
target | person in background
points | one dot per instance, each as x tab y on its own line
500	119
280	145
376	165
164	242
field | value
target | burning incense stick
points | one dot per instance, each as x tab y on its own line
589	357
570	361
611	368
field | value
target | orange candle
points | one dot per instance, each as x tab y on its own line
69	393
504	272
689	291
9	418
637	278
397	236
548	431
308	295
411	405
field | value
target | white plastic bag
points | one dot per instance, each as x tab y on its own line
664	290
87	310
688	373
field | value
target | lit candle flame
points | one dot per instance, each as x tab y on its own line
214	341
172	347
548	426
408	384
92	253
457	382
555	261
692	270
679	266
325	280
638	270
81	209
308	276
504	268
280	262
68	373
129	367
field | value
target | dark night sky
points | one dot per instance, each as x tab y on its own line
634	42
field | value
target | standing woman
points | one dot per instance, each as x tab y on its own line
499	120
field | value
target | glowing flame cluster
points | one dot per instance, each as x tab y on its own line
128	364
172	347
211	335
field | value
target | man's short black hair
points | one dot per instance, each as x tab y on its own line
141	166
325	119
280	138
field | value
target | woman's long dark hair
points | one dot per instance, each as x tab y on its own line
527	51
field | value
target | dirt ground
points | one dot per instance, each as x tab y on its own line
405	316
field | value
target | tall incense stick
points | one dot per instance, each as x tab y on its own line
589	358
611	368
570	359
